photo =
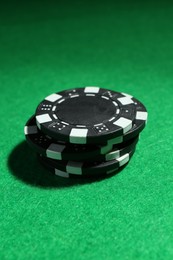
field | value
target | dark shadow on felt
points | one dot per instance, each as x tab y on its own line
23	164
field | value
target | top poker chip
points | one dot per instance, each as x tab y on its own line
89	115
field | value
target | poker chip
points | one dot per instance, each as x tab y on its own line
86	132
63	174
53	149
61	151
84	169
88	115
95	167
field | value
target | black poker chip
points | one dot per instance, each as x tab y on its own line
62	151
89	115
85	167
63	174
95	170
53	149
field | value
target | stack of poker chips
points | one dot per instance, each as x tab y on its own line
87	131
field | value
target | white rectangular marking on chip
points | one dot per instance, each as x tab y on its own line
26	130
90	95
78	136
116	140
127	95
54	151
125	100
54	115
54	108
112	155
53	97
115	104
111	119
61	173
125	123
141	115
105	97
105	149
60	101
123	159
118	111
74	167
41	119
81	126
38	125
91	90
30	130
64	123
74	96
98	124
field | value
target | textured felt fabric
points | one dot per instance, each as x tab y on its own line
47	46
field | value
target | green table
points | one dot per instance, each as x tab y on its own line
47	46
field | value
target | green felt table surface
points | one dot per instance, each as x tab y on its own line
48	46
